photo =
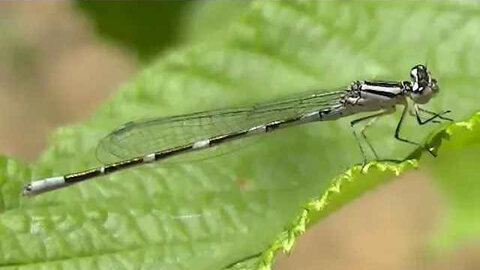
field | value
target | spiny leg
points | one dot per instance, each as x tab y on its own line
362	131
399	126
372	117
434	115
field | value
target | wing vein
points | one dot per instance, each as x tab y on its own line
143	137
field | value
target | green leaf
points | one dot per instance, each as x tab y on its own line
214	213
457	175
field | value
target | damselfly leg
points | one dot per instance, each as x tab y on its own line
364	136
397	136
434	115
372	118
399	126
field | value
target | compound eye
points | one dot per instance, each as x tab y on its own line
421	68
413	74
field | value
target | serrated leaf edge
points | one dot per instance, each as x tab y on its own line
286	239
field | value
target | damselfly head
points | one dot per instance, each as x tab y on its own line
423	87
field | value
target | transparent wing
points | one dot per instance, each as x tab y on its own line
142	137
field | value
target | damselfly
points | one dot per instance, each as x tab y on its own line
147	141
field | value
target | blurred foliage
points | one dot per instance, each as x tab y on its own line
210	214
146	27
149	27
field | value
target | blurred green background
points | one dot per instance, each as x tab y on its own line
60	60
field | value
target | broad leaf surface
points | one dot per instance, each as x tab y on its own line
210	214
